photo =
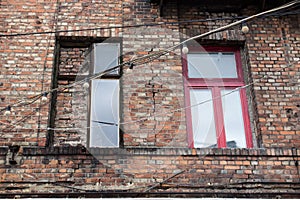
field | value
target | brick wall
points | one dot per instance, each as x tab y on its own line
150	90
71	107
26	67
186	172
274	52
155	148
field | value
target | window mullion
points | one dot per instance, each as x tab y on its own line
219	119
189	117
246	118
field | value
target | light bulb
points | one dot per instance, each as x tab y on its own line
220	56
86	85
44	97
128	70
245	28
185	49
131	65
8	111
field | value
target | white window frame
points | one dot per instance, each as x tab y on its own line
111	81
108	49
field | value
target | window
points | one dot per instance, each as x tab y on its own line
90	114
104	98
217	114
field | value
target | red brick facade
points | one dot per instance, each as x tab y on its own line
153	158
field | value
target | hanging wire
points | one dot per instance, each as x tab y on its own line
163	114
154	185
150	57
44	94
143	25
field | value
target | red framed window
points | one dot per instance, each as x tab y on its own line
217	113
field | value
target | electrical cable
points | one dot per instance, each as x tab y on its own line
139	60
171	112
135	26
116	27
235	23
157	184
54	26
159	114
163	52
142	119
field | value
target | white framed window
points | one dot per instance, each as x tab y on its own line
104	96
105	56
104	114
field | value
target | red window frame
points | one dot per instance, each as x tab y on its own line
216	84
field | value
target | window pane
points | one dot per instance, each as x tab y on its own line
233	119
211	65
203	122
106	55
104	131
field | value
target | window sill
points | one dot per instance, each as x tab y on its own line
152	151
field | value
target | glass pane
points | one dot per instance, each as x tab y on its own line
106	55
203	122
233	119
211	65
104	131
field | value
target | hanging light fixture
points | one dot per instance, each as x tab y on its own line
86	84
7	111
44	97
185	49
245	28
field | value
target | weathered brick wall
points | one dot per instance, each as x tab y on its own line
71	107
75	15
205	172
153	90
203	21
26	66
270	54
274	62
